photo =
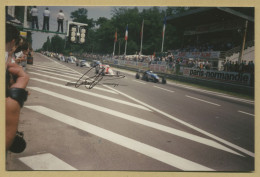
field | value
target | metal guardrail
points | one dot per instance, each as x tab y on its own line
238	88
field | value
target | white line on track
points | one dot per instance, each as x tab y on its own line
50	65
246	113
150	151
139	82
202	100
92	94
48	76
55	69
213	93
163	89
45	162
140	121
188	125
56	74
66	66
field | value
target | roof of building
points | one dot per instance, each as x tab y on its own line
205	15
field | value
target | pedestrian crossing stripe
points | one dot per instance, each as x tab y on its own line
45	162
48	76
234	146
92	94
150	151
157	126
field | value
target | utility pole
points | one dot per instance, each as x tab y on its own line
25	25
240	58
119	41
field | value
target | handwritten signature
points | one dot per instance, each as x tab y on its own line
92	81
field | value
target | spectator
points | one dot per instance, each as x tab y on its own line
34	13
21	54
60	19
15	89
13	40
46	19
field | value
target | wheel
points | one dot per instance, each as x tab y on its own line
163	80
137	76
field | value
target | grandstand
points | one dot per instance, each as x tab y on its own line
215	34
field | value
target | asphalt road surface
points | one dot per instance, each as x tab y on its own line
134	126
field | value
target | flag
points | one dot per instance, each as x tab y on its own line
116	36
126	33
164	25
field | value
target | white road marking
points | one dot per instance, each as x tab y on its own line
55	69
45	162
67	67
163	89
213	93
246	113
188	125
202	100
48	76
92	94
150	151
50	65
57	63
140	121
139	82
56	74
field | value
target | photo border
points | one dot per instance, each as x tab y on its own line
199	3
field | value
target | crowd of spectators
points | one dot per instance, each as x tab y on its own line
207	47
172	62
245	67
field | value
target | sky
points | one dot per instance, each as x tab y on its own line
94	12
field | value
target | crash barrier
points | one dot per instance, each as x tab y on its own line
228	81
221	76
225	86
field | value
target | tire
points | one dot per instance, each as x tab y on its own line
137	76
163	80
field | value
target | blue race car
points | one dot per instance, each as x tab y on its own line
150	76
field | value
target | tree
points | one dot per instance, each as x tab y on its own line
81	16
57	44
101	33
47	45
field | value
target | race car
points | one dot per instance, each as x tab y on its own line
104	70
150	76
82	63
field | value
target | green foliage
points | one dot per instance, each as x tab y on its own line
81	16
57	44
101	33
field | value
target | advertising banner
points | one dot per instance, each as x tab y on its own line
232	77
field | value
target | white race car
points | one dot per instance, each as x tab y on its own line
104	70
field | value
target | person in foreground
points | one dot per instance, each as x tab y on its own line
16	82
